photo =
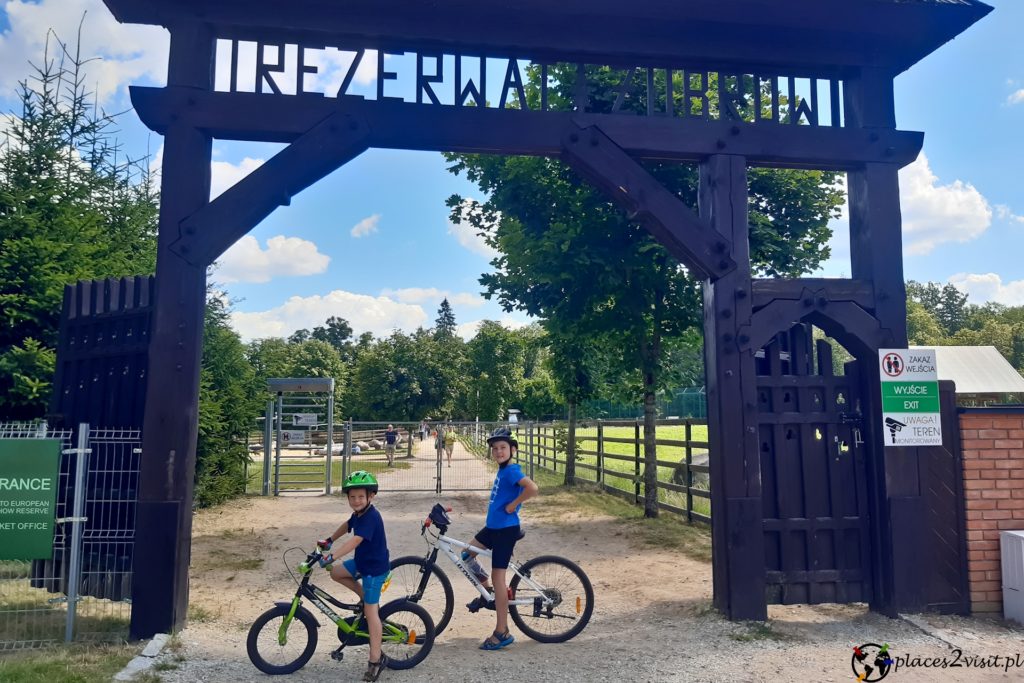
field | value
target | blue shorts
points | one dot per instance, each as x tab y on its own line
373	586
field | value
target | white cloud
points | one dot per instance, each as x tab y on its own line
1003	212
467	235
983	287
379	315
468	330
366	226
1016	97
224	174
127	53
934	214
432	295
245	261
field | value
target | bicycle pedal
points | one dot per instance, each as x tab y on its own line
338	655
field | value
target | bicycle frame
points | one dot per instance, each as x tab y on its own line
319	597
448	546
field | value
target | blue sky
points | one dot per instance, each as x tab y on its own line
372	242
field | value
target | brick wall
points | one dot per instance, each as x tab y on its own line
993	456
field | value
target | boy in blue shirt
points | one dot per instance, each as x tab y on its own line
371	562
511	489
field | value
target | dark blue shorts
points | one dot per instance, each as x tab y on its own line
500	542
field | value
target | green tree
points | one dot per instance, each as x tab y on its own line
73	206
299	336
922	327
444	326
336	332
269	358
495	358
229	401
946	303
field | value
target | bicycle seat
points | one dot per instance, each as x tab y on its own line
439	516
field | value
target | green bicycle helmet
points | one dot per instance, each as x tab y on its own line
360	479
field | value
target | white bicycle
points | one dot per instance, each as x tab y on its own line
550	598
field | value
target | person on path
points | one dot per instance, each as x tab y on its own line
450	437
511	489
390	440
371	563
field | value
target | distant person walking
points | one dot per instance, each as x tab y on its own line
450	437
390	440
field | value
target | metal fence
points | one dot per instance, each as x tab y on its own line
84	591
610	455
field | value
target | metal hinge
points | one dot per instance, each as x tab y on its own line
61	520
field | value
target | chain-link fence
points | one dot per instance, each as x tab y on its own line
83	592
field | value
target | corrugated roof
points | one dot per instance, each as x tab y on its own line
977	370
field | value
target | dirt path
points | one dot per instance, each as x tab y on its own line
652	620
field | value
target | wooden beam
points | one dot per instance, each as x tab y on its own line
813	33
844	321
857	291
479	130
738	547
166	480
682	232
207	233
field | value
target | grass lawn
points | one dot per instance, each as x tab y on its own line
665	453
252	485
665	531
66	664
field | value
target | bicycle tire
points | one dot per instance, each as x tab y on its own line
410	618
548	571
438	598
252	645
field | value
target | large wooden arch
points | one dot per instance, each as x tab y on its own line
845	53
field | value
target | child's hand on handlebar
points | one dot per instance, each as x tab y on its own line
324	543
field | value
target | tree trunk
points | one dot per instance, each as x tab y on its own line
650	450
570	448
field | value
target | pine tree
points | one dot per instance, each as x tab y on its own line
72	207
444	326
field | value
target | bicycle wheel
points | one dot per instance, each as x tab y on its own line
437	597
570	592
268	654
408	633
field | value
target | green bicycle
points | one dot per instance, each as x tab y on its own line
283	638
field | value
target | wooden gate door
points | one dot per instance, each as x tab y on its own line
814	488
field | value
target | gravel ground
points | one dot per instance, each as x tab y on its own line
652	620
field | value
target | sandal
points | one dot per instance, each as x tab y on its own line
373	669
496	641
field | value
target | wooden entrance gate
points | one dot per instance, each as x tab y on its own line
813	474
801	84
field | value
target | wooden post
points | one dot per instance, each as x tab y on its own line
600	453
876	256
164	512
738	538
636	462
689	472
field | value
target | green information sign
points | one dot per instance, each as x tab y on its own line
910	397
29	471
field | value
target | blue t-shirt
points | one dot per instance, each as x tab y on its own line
506	489
372	558
390	436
